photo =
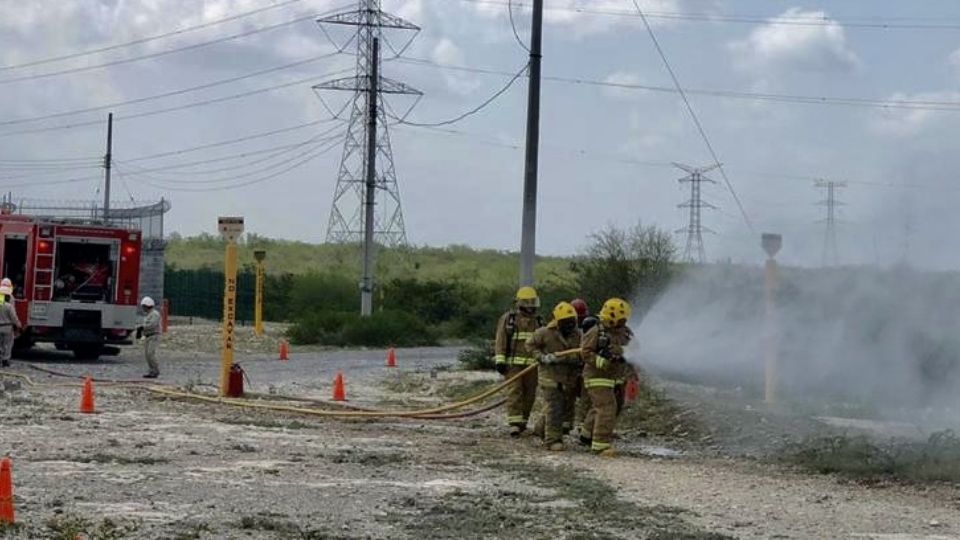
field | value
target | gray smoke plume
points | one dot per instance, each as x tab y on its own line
887	338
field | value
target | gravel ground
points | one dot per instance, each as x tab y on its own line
150	467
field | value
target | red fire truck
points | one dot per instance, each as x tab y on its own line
75	283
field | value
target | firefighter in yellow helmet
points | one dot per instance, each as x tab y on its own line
557	372
514	328
603	348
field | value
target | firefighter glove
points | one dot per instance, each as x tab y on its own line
501	368
139	332
548	359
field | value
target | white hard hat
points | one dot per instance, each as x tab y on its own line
5	282
147	302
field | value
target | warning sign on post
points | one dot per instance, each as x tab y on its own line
231	227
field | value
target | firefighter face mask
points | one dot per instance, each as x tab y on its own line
567	326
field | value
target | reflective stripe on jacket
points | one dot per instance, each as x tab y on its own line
512	350
594	377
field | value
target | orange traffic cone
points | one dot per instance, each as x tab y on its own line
631	391
86	398
339	394
284	350
391	357
6	491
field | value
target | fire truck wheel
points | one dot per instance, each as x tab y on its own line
87	351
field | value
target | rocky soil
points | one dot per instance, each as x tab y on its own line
147	466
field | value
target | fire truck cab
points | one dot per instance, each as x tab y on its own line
76	283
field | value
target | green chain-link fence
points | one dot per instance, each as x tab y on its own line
199	293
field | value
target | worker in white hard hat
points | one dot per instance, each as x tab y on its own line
10	325
149	330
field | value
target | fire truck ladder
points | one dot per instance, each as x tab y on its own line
43	272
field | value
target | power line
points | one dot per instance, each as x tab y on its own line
513	26
298	82
880	23
273	153
581	153
231	141
249	182
157	54
49	160
126	187
470	112
148	39
175	169
54	182
181	91
47	173
231	177
693	114
925	105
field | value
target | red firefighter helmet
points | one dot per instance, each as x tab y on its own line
581	306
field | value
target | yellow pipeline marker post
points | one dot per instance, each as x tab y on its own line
230	228
771	244
259	255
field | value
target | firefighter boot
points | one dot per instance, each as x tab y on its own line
608	453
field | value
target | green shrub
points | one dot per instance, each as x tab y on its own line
383	329
312	293
479	357
935	460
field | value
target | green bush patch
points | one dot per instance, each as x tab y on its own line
382	329
935	460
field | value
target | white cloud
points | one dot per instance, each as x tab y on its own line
623	78
579	19
905	123
821	47
448	53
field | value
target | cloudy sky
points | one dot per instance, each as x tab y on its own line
890	71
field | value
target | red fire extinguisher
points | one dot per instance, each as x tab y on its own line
235	382
632	390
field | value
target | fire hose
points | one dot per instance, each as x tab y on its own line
423	413
354	411
438	413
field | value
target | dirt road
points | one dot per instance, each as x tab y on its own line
147	467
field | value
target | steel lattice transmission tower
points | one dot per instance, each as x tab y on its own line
347	213
831	255
694	252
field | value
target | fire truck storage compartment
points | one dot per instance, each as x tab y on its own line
82	326
85	271
15	261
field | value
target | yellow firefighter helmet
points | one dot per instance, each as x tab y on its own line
564	310
614	312
527	297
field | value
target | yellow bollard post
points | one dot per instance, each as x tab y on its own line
230	228
259	255
771	245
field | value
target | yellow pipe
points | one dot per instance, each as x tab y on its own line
229	313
